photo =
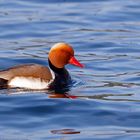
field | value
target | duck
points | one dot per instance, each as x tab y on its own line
40	77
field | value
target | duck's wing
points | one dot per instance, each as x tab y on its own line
29	70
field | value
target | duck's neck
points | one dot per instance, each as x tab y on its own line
62	78
57	70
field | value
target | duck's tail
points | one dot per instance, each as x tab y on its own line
3	83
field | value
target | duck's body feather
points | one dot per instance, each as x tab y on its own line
30	76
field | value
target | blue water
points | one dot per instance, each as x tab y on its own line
106	37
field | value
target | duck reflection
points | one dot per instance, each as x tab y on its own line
61	91
65	131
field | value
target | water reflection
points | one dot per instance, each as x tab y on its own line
65	131
107	97
53	94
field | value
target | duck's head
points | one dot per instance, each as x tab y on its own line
62	54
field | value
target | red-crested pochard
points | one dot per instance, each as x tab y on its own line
37	77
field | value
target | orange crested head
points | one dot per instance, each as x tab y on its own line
62	54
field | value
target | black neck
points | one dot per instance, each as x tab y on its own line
62	79
55	69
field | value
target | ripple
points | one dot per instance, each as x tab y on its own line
104	100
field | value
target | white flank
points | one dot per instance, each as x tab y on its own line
29	83
52	73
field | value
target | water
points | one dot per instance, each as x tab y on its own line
105	35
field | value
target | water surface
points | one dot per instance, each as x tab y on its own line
105	35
